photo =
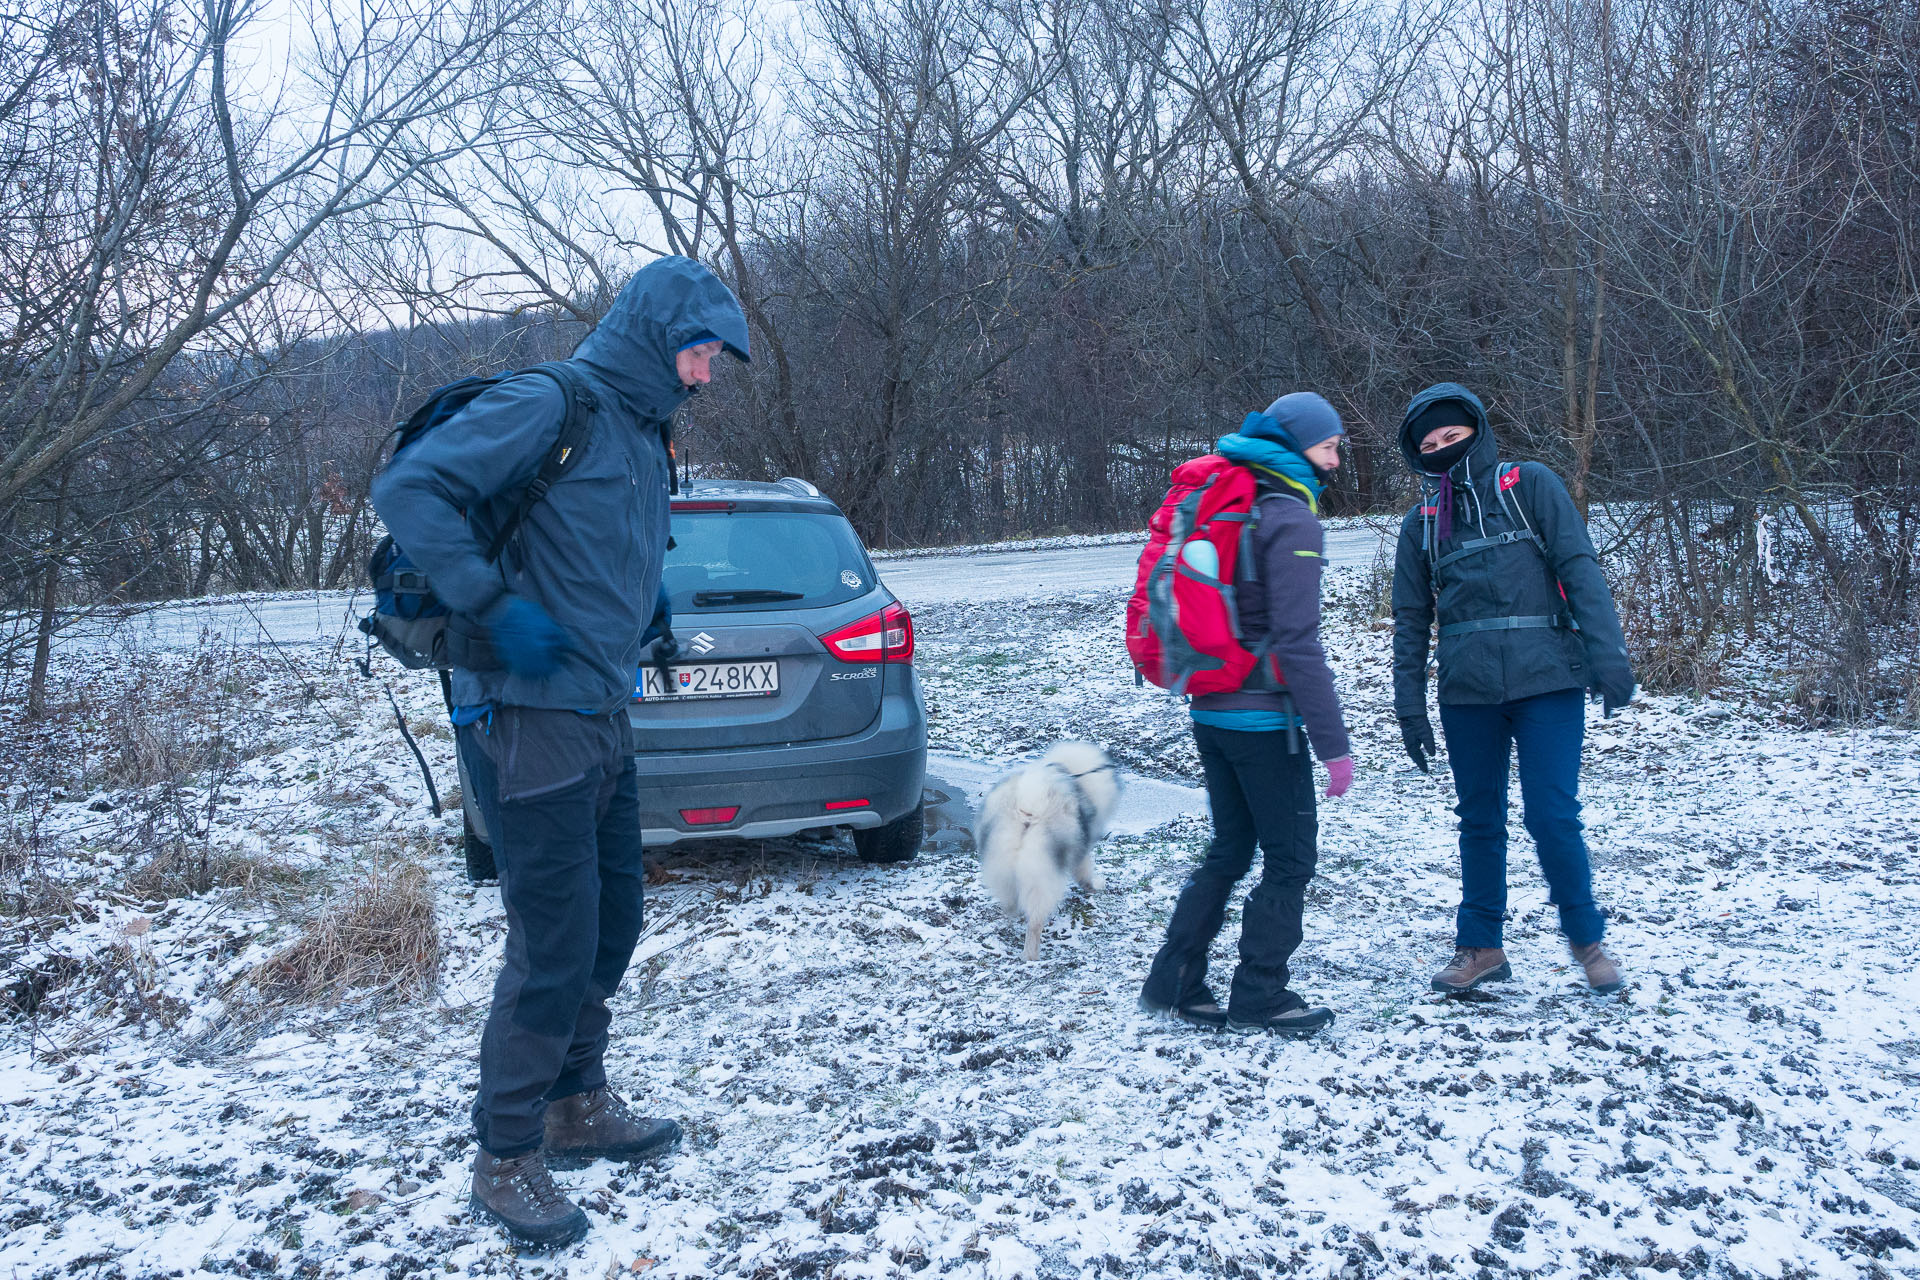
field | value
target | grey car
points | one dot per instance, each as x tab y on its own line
792	704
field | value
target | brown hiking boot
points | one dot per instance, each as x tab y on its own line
518	1194
597	1125
1603	975
1470	967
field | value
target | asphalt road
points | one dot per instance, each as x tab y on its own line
306	617
1002	575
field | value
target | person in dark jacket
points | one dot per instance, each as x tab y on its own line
1259	779
544	734
1498	554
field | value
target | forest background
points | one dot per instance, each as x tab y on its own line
1006	262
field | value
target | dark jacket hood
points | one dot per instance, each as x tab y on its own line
1482	454
667	305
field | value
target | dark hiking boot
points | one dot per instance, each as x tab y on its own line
1470	967
1201	1010
1300	1021
597	1125
518	1195
1603	975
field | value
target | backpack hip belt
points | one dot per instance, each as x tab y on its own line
1519	623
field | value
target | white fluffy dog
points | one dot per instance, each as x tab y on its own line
1037	828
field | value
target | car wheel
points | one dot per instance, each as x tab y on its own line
894	842
480	864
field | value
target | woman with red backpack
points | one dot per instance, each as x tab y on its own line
1259	777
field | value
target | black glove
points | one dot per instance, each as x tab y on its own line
664	651
1417	733
1612	680
1614	698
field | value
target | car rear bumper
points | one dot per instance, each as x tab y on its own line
781	790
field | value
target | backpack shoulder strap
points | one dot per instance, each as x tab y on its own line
1507	476
575	428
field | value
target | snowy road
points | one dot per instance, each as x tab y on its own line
1028	575
301	617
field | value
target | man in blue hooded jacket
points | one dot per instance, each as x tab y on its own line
1499	556
543	728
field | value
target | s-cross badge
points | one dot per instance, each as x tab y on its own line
702	643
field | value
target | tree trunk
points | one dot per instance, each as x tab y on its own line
49	603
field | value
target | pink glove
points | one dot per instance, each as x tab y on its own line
1339	776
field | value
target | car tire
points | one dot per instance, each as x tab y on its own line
480	862
896	841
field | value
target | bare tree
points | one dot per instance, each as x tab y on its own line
151	202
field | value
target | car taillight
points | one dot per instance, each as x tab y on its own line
708	817
835	805
886	636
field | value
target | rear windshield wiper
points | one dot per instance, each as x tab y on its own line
746	595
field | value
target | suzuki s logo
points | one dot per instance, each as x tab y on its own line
702	643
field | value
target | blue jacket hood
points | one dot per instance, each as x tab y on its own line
1484	451
667	305
1271	452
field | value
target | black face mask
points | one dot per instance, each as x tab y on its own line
1441	461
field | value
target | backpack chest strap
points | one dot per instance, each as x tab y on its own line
1477	545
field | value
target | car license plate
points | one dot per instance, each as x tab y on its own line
712	680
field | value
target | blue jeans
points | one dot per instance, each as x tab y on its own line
1547	731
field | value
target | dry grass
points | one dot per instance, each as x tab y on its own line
180	868
29	887
92	994
378	936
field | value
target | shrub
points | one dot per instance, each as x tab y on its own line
378	937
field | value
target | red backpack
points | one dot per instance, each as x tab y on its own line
1183	624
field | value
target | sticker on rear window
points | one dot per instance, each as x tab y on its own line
850	579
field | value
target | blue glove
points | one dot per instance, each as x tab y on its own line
527	641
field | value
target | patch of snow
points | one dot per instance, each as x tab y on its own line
874	1083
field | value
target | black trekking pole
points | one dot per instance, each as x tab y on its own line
433	792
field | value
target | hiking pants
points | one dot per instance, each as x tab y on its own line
1546	730
1260	793
556	790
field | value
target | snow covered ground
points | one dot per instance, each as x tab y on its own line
873	1082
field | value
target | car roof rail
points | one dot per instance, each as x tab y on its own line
799	486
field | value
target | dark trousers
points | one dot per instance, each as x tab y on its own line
1260	793
1546	731
571	879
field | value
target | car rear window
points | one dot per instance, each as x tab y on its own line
720	559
